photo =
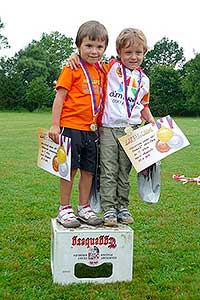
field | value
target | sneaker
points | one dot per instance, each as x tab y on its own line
124	216
67	218
86	215
110	217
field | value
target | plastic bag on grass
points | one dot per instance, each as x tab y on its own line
149	182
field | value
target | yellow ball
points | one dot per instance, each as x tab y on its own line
164	134
61	155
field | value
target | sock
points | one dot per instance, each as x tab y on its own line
65	206
82	206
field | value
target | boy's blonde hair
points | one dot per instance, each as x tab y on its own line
94	31
129	37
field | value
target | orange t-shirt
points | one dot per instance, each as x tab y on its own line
77	108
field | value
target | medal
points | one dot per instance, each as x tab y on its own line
93	127
176	141
95	106
63	169
129	107
61	154
128	130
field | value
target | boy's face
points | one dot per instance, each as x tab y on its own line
91	51
132	56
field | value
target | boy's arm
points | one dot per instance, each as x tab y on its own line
147	115
74	61
56	112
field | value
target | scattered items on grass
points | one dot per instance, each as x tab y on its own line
187	179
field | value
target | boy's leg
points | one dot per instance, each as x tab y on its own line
85	184
66	188
123	187
66	216
122	181
84	212
108	168
108	175
88	161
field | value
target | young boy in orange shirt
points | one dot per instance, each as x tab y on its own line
74	115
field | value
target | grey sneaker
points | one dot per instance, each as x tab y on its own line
110	217
67	218
124	216
86	215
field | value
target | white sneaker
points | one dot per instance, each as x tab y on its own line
86	215
124	216
110	217
67	218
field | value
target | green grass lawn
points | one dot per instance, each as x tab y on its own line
167	235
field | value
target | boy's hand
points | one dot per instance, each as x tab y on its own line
74	61
54	133
152	121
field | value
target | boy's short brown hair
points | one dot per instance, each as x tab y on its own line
131	36
94	30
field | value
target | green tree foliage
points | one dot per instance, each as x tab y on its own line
164	52
45	57
166	94
191	85
28	78
3	40
39	64
38	94
53	49
12	89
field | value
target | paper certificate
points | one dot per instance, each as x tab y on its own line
151	143
54	158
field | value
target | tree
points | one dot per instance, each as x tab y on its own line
3	40
37	67
164	52
166	94
38	94
12	89
53	49
191	85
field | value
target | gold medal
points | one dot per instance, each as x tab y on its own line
93	127
61	154
128	130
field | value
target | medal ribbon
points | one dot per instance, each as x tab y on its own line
128	106
95	108
169	120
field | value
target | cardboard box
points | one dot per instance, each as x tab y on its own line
91	254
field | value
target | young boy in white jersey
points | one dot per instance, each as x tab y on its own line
124	107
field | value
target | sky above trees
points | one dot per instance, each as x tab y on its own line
177	20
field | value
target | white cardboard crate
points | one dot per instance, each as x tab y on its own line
91	246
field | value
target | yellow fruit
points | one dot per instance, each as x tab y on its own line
164	134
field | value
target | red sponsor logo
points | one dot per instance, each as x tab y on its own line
102	240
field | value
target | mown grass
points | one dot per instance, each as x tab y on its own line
166	242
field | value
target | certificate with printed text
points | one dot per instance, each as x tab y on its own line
54	158
151	143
